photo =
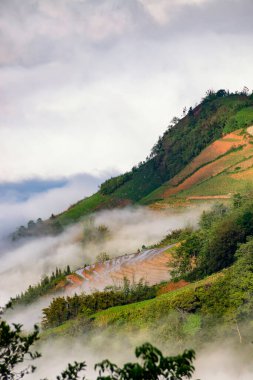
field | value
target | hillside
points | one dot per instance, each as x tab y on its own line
209	298
150	265
205	153
192	287
220	170
180	151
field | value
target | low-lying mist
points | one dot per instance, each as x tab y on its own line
130	228
25	263
31	199
225	360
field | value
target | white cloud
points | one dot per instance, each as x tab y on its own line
88	87
14	212
25	263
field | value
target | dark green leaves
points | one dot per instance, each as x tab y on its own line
154	366
14	349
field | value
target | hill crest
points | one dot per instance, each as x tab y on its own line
194	140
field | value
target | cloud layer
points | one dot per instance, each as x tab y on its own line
24	264
35	198
88	86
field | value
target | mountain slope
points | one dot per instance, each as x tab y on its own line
223	168
218	297
218	114
193	141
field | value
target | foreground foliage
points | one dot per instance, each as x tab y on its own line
154	366
15	347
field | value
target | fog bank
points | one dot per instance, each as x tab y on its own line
129	228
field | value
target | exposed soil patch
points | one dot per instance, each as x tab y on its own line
209	154
234	160
243	175
172	286
206	197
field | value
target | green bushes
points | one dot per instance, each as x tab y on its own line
221	243
42	288
243	118
212	248
221	303
110	185
92	233
62	309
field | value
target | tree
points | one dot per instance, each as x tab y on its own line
56	227
190	112
15	347
221	93
102	257
155	366
31	225
237	200
184	256
174	120
217	212
245	90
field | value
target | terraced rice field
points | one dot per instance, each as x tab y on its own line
151	265
235	164
212	152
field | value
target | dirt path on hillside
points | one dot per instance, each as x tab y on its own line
205	197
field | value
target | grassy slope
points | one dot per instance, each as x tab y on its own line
235	175
146	312
229	173
185	141
221	184
82	208
141	314
176	149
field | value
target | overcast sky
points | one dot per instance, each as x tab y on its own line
87	86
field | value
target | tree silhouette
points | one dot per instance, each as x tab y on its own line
15	348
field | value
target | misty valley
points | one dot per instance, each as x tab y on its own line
156	262
126	190
133	275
